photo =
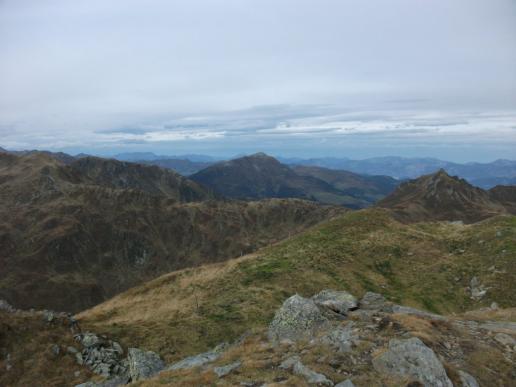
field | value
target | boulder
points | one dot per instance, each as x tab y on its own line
298	318
505	339
224	370
411	358
337	301
294	364
467	380
143	364
374	301
199	360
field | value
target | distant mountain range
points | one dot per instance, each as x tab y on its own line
483	175
261	176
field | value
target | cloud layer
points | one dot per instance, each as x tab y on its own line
289	76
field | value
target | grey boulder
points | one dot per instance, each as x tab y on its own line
143	364
467	380
225	370
337	301
411	358
374	301
198	360
298	318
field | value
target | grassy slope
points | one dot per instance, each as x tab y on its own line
427	265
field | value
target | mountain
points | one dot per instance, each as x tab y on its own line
366	189
262	176
437	267
483	175
149	156
440	196
74	235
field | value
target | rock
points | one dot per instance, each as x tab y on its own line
294	363
374	301
48	316
298	318
143	364
345	383
338	301
71	350
505	339
55	349
6	307
340	338
467	380
89	339
411	358
494	306
199	360
476	289
224	370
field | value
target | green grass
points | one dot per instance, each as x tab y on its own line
427	266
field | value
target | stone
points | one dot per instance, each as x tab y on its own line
298	318
411	358
505	339
71	350
89	339
374	301
143	364
225	370
199	360
6	307
341	338
338	301
467	380
345	383
55	349
294	364
476	289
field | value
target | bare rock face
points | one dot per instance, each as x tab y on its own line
298	318
467	380
411	358
337	301
143	364
199	360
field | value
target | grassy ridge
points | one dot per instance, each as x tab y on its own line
426	265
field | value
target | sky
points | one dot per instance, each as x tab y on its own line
296	78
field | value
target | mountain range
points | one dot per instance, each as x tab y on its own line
74	234
483	175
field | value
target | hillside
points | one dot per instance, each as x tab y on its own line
261	176
364	188
74	235
442	197
428	265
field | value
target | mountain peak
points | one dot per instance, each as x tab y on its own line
439	196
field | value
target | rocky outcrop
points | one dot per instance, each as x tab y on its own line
103	356
467	380
143	364
411	358
298	318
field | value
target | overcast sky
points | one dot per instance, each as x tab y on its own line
354	78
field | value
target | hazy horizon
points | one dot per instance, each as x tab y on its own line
354	79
